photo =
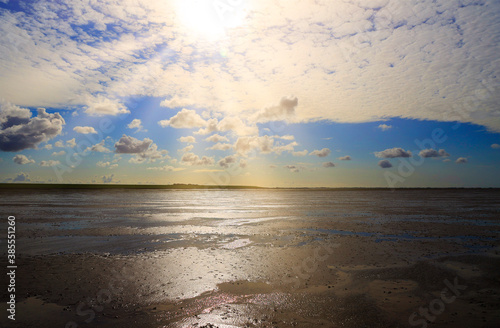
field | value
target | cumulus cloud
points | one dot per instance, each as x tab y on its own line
385	164
22	177
284	111
426	153
48	146
22	160
495	146
245	145
166	168
85	130
293	168
49	163
226	161
185	119
393	153
108	178
279	148
285	137
321	153
136	124
100	148
461	160
217	138
190	139
384	127
328	164
60	153
221	146
192	159
19	130
71	143
187	148
144	150
101	106
300	153
345	158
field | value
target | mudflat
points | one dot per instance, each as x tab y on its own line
255	258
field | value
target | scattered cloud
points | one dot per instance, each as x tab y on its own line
19	130
100	148
293	168
186	149
192	159
385	164
22	160
71	143
321	153
217	138
189	139
221	146
185	119
22	177
108	178
328	164
426	153
166	168
345	158
226	161
461	160
285	111
393	153
49	163
136	124
110	165
48	146
244	145
285	137
384	127
84	130
59	153
101	106
300	153
144	150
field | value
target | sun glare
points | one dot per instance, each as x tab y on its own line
210	19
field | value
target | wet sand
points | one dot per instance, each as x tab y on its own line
389	263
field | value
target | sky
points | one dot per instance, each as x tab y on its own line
337	93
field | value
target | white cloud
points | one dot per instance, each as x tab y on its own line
217	138
190	139
101	106
221	146
321	153
185	119
345	158
354	61
285	137
136	124
461	160
85	130
48	146
110	165
187	148
328	164
245	145
192	159
166	168
100	148
226	161
284	111
49	163
300	153
71	143
393	153
426	153
59	144
18	130
144	150
22	160
279	148
384	127
60	153
385	164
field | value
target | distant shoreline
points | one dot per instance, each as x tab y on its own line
205	187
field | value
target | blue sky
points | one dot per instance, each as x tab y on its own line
271	93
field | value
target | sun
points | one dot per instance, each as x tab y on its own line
210	19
